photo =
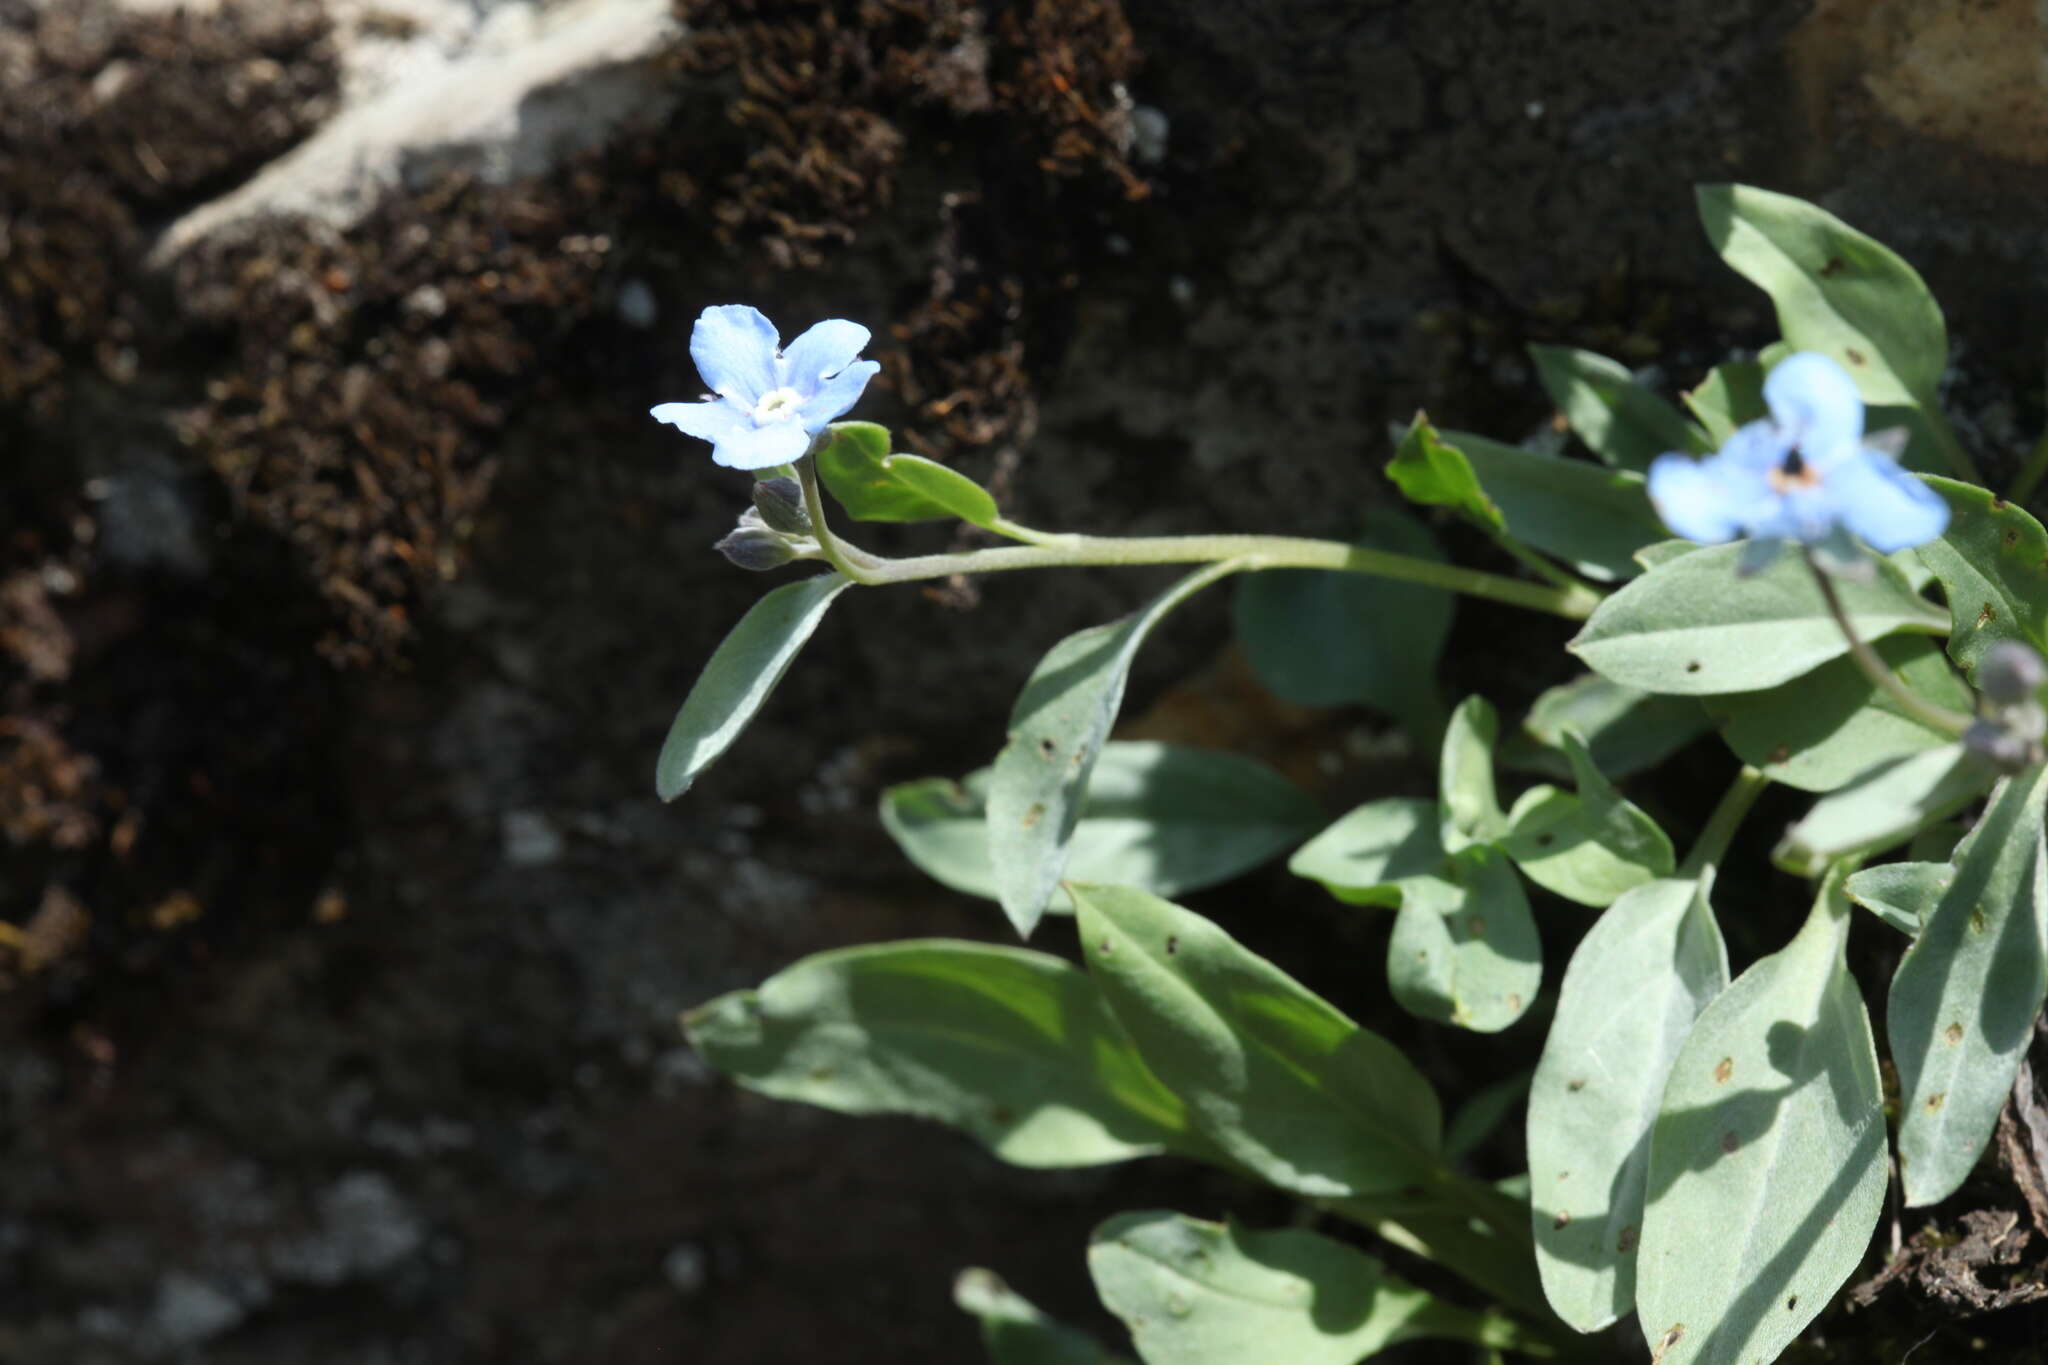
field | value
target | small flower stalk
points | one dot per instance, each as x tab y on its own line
1806	475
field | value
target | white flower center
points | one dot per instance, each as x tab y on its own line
778	405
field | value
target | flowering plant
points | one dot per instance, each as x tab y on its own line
1852	615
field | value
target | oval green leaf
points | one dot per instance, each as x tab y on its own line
1195	1293
1767	1160
873	485
1040	779
1468	805
1819	731
1589	847
1691	627
1015	1332
1639	979
1884	807
1901	894
742	672
1626	728
1992	563
1594	519
1964	1001
1271	1073
1365	857
1013	1047
1165	817
1836	290
1621	421
1464	950
1320	638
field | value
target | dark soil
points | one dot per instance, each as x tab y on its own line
346	593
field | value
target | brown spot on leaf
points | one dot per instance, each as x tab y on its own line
1563	1220
1730	1142
1035	814
1723	1069
1047	748
1515	1002
1977	921
1693	666
1545	840
1779	754
1575	1084
1671	1337
1626	1240
1476	927
1986	615
1792	1303
1172	944
1854	356
1104	947
1936	1100
1953	1033
1833	268
2009	537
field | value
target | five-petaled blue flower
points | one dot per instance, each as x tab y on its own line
770	402
1806	473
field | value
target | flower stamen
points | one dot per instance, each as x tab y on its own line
777	405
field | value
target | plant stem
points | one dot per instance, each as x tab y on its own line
1572	601
1928	713
1712	845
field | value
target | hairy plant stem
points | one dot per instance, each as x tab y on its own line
1712	845
1047	551
1930	714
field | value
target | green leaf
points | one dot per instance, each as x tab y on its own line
1365	857
1468	808
1992	563
742	672
1887	805
1691	627
1331	639
1663	551
1271	1073
1836	291
1964	1000
1639	979
1165	817
1196	1293
1434	474
1464	950
1057	728
1589	847
1767	1162
1594	519
1626	728
1731	396
1622	422
1013	1047
1014	1332
874	485
1900	894
1819	731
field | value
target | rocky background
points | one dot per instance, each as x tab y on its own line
346	590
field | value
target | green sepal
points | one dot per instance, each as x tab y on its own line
857	468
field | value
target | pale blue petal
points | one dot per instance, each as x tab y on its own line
820	353
1889	508
837	394
1692	499
734	347
762	447
716	420
1755	449
1815	402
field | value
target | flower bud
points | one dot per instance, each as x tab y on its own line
781	504
2010	672
2011	751
756	548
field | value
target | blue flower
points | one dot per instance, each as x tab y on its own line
770	402
1806	473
